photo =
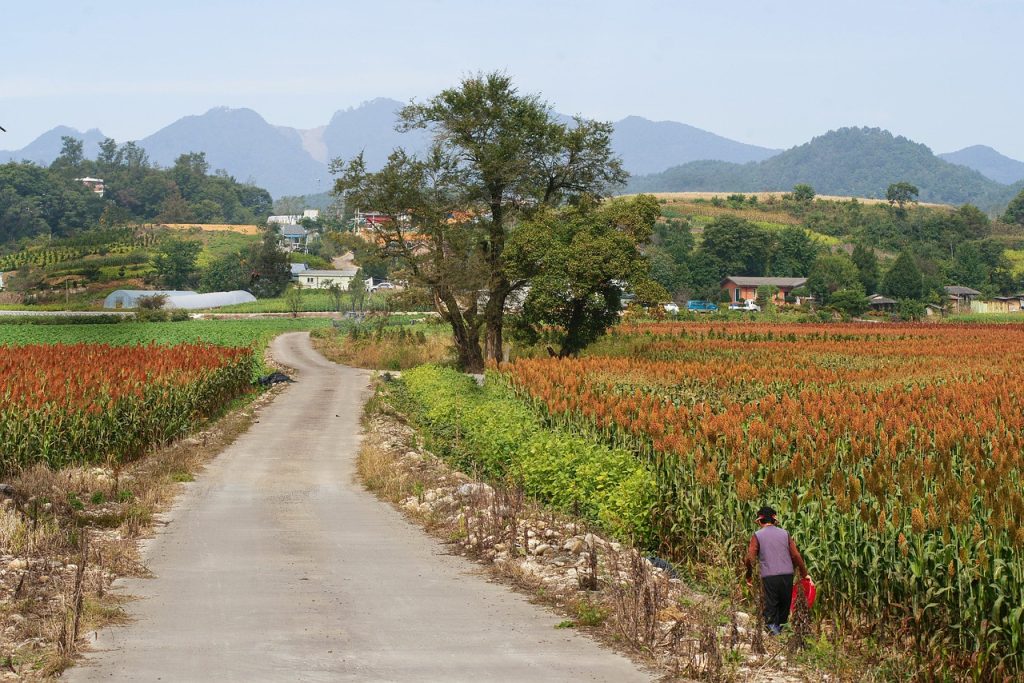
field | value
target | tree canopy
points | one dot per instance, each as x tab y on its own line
498	158
577	260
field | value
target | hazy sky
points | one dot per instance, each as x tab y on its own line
944	72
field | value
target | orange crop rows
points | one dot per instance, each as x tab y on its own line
63	404
893	452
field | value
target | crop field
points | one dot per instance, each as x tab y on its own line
220	332
894	455
311	300
96	403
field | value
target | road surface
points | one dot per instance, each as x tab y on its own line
278	566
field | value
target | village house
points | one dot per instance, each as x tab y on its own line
960	298
94	184
321	279
742	288
294	237
877	302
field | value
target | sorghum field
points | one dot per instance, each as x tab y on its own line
892	452
68	404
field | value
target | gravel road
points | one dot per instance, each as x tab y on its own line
276	565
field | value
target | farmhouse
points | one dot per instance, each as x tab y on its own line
94	184
320	279
312	214
294	236
877	302
741	287
960	298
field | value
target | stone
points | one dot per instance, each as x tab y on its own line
542	549
742	618
17	564
573	545
475	489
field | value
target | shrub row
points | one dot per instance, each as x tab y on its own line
489	431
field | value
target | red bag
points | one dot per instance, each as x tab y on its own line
810	591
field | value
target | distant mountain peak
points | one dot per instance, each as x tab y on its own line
988	162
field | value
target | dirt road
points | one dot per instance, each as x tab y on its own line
277	566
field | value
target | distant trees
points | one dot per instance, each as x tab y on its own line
794	253
867	267
269	270
174	263
803	192
224	274
832	273
1015	211
904	279
900	194
36	200
736	246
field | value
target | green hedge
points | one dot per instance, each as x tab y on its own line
489	431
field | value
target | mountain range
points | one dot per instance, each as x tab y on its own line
662	155
858	162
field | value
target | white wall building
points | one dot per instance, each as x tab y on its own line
321	279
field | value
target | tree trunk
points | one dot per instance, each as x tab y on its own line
465	333
494	318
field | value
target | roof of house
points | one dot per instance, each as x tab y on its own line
879	299
292	230
343	272
744	281
957	290
299	268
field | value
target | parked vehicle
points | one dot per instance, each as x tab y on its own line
700	306
671	307
748	305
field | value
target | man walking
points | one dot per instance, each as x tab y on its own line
776	553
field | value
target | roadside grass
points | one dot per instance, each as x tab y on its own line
381	347
311	301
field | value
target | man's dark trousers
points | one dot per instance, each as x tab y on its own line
778	594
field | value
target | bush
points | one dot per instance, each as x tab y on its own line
491	431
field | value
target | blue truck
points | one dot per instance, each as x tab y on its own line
700	306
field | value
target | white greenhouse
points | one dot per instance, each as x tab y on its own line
128	298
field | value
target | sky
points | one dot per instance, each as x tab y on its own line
943	72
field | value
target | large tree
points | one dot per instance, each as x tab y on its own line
832	273
904	279
867	265
497	158
900	194
175	263
739	246
794	253
578	260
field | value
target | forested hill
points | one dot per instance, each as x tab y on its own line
858	162
53	201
